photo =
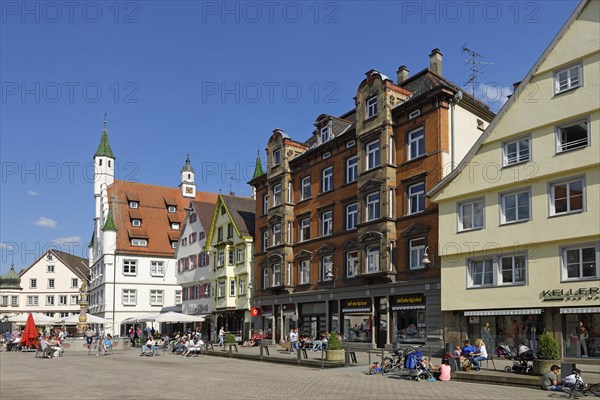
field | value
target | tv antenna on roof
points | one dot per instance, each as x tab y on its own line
474	67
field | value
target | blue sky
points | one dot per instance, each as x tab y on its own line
211	79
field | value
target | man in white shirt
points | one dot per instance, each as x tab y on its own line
294	340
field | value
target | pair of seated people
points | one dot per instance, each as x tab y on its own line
255	340
150	347
321	344
50	347
193	346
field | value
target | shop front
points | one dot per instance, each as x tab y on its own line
409	318
313	319
581	331
358	319
290	318
268	321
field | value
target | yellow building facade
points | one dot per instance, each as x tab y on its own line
520	216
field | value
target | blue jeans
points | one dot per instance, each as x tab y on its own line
477	361
295	346
556	388
317	345
221	340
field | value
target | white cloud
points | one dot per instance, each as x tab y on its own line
67	241
46	222
32	193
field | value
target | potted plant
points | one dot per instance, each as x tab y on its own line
547	354
229	340
334	352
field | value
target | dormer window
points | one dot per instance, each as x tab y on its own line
139	242
136	222
372	107
173	245
172	209
134	204
325	134
276	157
175	225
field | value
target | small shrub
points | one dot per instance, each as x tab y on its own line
547	348
334	343
230	338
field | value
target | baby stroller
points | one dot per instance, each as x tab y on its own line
416	366
519	356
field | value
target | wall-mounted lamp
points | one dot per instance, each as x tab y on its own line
426	261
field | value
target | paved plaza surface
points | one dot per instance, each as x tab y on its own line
126	375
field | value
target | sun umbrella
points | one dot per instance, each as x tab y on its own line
91	319
29	332
171	316
37	317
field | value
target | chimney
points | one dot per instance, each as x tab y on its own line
402	74
516	86
435	61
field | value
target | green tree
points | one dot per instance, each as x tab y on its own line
334	343
547	348
230	338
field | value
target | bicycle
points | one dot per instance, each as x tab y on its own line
398	359
578	388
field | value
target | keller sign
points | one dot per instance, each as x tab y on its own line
592	293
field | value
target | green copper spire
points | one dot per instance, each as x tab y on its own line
104	149
258	169
109	225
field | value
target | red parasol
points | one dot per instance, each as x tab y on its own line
30	333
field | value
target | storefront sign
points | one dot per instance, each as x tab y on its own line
255	312
198	309
288	309
408	302
356	305
592	293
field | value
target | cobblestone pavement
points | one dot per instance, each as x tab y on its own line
125	375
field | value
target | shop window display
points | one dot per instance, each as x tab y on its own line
410	326
511	330
582	335
357	327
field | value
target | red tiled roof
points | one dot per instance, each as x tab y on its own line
152	210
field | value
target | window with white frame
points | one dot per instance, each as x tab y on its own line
157	268
373	206
573	135
62	300
136	222
129	297
351	263
416	143
229	231
351	169
5	301
32	283
372	258
289	232
220	234
231	257
372	107
470	215
276	234
568	78
221	258
305	188
304	272
32	301
240	254
351	216
288	275
49	300
221	288
74	282
265	204
175	226
74	299
156	297
178	297
513	269
481	272
242	286
232	288
372	152
172	209
277	195
416	198
327	267
515	206
266	278
327	180
327	223
516	151
277	274
265	240
290	192
51	283
139	242
580	261
276	157
325	134
133	204
50	268
304	229
129	267
416	251
567	196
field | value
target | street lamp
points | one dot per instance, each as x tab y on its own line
425	261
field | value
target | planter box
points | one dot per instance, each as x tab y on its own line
334	355
540	367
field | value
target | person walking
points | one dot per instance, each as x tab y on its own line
221	336
294	340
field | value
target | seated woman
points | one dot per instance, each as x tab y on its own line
480	354
319	345
54	346
106	344
150	345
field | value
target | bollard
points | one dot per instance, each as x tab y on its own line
382	358
261	353
298	355
322	357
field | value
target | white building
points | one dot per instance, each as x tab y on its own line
135	234
50	286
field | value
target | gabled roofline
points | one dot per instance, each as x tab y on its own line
78	273
513	98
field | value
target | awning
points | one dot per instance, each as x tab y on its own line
482	313
356	310
398	308
580	310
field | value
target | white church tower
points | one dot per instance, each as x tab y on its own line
188	187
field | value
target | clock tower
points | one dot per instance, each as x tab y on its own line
188	187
